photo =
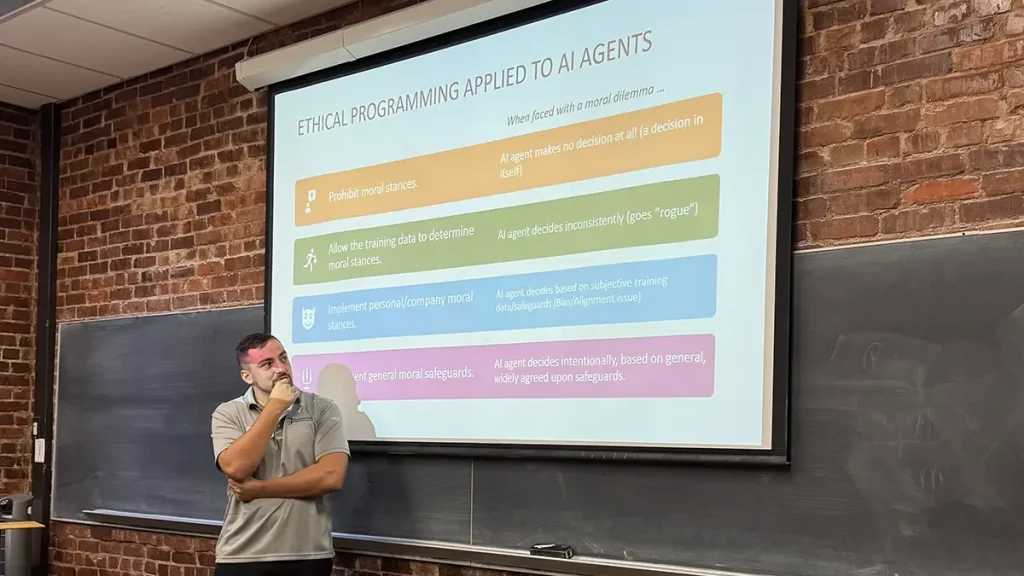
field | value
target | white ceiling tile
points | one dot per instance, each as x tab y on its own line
85	44
44	76
22	98
284	11
194	25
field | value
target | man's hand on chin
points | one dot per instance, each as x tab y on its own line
246	491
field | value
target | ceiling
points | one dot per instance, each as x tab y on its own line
54	50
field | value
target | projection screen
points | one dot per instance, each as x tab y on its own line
564	230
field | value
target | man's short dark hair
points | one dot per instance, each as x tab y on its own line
253	341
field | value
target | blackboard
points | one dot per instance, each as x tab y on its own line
907	423
134	399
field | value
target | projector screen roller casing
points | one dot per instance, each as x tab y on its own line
564	232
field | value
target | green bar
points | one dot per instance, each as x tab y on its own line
645	215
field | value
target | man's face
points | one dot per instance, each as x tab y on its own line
264	367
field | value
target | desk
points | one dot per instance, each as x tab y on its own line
16	541
28	525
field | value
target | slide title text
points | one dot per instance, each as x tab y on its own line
515	75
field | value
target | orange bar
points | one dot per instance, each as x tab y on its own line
681	131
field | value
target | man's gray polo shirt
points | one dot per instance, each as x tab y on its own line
268	529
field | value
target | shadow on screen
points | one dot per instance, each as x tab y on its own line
337	383
359	508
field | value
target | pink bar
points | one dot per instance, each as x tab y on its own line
532	370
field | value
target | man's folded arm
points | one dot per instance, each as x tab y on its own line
325	476
332	454
238	451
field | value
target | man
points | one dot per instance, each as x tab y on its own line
283	451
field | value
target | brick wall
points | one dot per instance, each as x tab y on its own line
19	201
162	197
94	551
908	126
909	118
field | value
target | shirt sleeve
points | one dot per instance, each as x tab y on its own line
330	430
224	430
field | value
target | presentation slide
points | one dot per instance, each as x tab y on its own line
560	234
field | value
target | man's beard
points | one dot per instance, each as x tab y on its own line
270	385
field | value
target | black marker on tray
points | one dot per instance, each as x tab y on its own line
562	551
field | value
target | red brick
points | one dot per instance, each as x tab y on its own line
849	106
956	35
823	135
882	147
1003	182
997	157
874	29
817	88
853	178
1001	130
962	85
859	81
1010	207
820	65
951	12
870	56
922	141
989	7
885	6
917	220
903	95
929	167
838	38
1014	101
810	161
941	190
887	123
909	21
840	15
846	153
1014	75
960	135
964	111
986	55
811	208
844	228
864	201
1014	24
916	68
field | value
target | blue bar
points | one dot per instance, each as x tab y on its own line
676	289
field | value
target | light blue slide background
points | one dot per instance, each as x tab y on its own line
689	292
